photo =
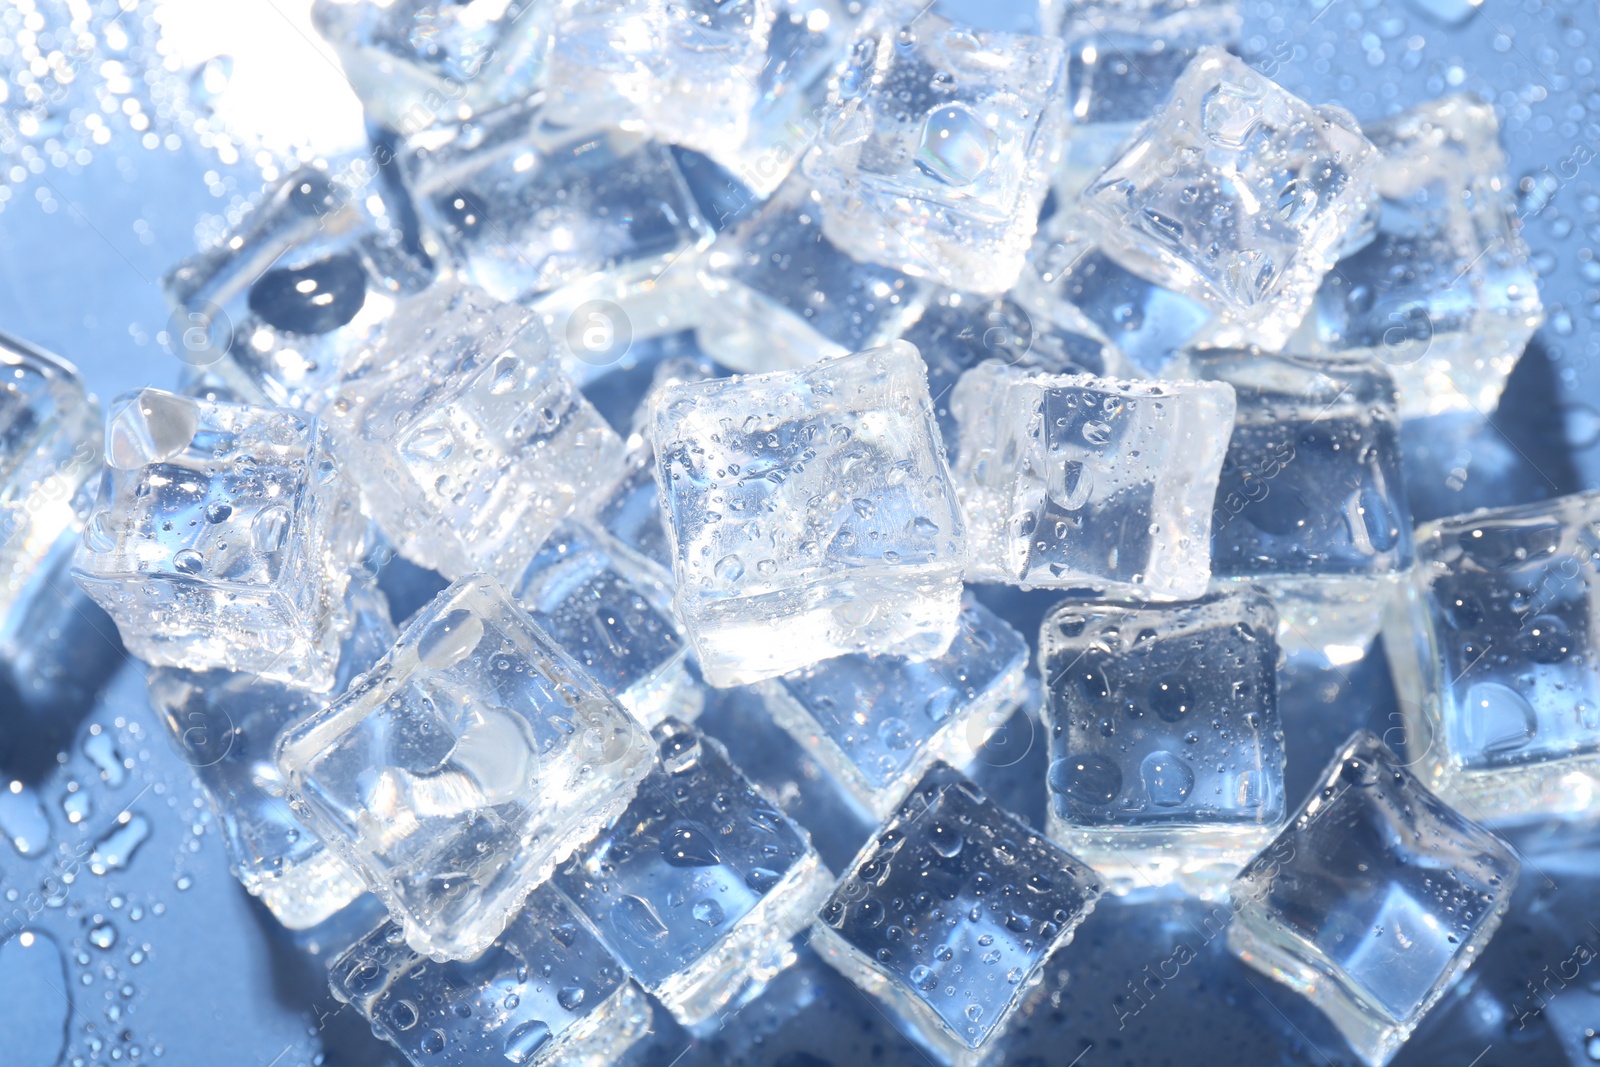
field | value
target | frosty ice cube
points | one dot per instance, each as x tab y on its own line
686	73
604	613
1078	481
417	63
949	913
1373	900
810	514
470	439
226	727
218	523
1443	292
50	443
1310	505
1166	751
1494	656
521	210
545	994
700	885
275	309
463	767
938	145
785	295
1237	195
877	723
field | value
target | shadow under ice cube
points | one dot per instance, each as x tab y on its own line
701	883
811	515
949	914
463	767
1374	899
545	994
1166	749
217	524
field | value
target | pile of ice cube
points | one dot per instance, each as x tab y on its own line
728	343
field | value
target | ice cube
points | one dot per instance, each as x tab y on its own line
1311	506
474	757
785	295
545	994
470	439
217	524
1166	750
949	913
700	885
1084	482
419	63
938	146
810	514
877	723
686	73
612	618
1237	195
274	309
1494	654
521	209
1373	900
1443	293
226	726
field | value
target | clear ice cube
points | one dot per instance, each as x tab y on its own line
612	618
811	515
1166	750
700	884
877	723
275	309
1443	292
455	775
1494	654
785	295
471	441
419	63
1311	505
547	993
938	145
1373	900
948	915
226	725
218	523
1237	195
1074	481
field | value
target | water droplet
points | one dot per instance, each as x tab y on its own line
432	1042
570	997
688	844
1091	779
729	569
1498	718
449	640
895	734
188	561
1167	779
218	512
1170	697
33	1010
957	145
1545	639
1230	113
401	1014
103	936
708	911
430	444
525	1042
637	923
761	879
947	841
102	752
270	527
149	427
116	847
23	820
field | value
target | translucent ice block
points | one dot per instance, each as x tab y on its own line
545	994
1310	505
276	308
1237	195
1166	751
470	440
949	913
226	726
700	885
877	723
463	767
938	145
810	514
1374	899
418	63
1443	293
521	210
605	614
218	523
1078	481
686	73
1494	653
785	295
